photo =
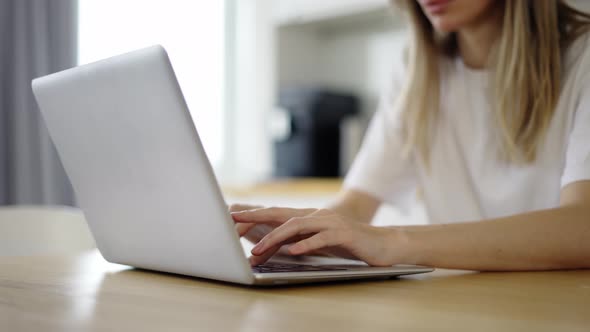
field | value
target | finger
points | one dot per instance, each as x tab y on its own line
261	259
285	249
258	232
242	229
242	207
322	212
289	230
320	240
280	248
269	215
257	260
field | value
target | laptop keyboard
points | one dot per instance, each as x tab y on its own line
288	267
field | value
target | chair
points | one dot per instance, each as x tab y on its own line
43	230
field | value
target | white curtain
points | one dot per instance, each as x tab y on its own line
37	37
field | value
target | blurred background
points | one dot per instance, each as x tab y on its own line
281	91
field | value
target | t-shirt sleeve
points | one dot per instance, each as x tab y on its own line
379	168
577	162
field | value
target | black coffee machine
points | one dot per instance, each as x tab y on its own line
312	146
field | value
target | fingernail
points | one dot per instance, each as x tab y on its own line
257	248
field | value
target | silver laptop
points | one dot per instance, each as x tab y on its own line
128	143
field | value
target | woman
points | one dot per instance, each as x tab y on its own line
491	123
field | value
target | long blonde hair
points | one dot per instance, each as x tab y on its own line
527	71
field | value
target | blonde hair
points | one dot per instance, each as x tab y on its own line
527	67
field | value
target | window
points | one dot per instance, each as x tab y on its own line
193	33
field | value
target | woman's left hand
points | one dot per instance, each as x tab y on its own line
309	230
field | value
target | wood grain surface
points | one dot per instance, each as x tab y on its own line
85	293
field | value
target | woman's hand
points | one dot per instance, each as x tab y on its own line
252	232
309	230
255	232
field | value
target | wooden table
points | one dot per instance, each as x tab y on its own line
84	292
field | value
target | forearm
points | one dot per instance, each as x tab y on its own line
349	210
355	205
549	239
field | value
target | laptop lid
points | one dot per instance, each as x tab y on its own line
126	139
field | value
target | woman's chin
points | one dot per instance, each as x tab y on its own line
445	26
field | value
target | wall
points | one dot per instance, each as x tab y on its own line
251	94
354	55
351	54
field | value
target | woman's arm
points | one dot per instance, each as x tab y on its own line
356	205
557	238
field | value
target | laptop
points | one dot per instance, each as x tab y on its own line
130	148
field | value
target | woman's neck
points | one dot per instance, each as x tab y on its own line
476	40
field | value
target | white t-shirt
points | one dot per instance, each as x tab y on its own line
466	180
